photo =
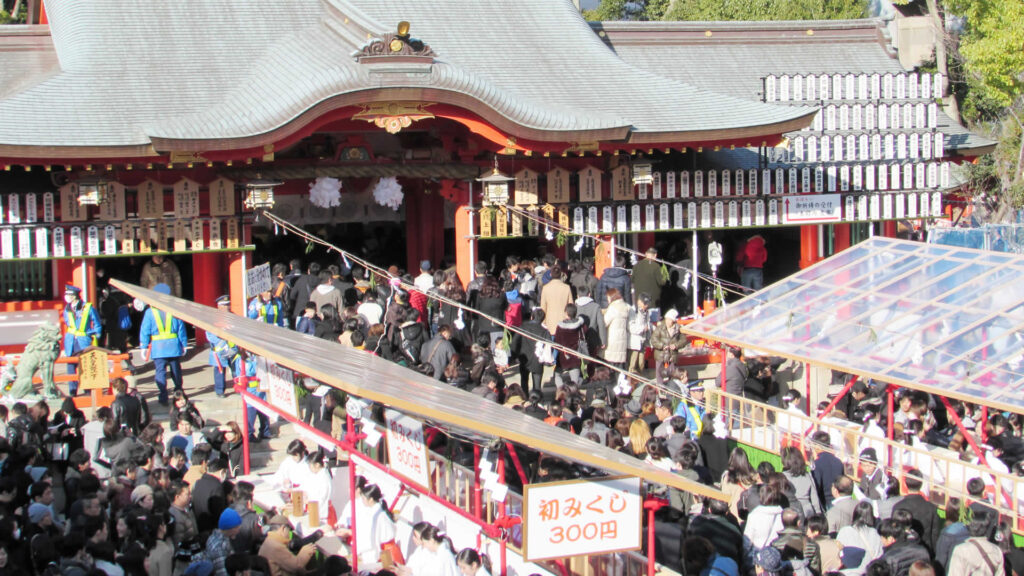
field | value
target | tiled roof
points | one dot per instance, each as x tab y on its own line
139	73
27	55
733	57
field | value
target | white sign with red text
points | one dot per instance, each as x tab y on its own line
407	452
582	517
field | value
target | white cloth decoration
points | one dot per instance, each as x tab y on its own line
548	235
388	192
325	192
632	259
578	246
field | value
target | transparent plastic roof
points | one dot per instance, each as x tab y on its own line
944	319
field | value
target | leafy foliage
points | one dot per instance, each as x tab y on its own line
992	52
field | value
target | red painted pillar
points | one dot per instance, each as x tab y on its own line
83	275
889	229
236	288
841	237
808	245
207	282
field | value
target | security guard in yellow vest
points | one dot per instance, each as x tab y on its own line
169	341
82	327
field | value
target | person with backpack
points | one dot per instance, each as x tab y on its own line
412	336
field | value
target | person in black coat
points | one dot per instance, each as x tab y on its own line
127	409
330	325
226	441
208	498
491	301
69	421
615	277
826	468
926	520
525	349
720	527
300	291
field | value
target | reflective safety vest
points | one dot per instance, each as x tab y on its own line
79	331
164	331
696	418
263	312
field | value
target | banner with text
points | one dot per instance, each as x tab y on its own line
582	517
407	452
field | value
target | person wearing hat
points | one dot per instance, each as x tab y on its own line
276	552
425	281
160	270
162	337
667	341
873	480
218	545
82	328
142	496
223	353
768	562
693	408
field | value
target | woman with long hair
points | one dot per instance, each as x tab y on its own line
317	484
375	526
490	301
473	563
739	476
795	469
425	559
862	533
639	434
293	468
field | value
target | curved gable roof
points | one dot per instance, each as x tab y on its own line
142	77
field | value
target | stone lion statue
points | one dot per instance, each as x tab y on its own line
40	354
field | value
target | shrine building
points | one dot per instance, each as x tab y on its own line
133	128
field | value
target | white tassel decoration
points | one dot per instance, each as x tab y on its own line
325	192
388	192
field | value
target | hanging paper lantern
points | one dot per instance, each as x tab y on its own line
325	192
388	192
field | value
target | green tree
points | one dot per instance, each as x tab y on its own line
987	68
728	10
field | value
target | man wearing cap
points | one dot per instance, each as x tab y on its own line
169	341
82	325
218	545
275	549
425	281
693	408
223	354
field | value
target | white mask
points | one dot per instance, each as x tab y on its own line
69	298
139	305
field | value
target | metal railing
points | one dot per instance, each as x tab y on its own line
945	475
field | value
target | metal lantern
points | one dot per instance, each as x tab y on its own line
495	187
92	192
259	194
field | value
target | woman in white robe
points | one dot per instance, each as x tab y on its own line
473	563
293	469
425	559
317	483
374	527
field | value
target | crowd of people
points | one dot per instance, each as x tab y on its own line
817	514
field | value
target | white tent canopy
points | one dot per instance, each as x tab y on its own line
942	319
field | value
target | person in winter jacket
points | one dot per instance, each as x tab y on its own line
169	341
412	336
590	312
327	293
330	325
639	331
439	351
83	327
667	341
554	298
900	552
616	321
581	273
267	308
490	300
648	277
615	277
526	350
302	288
568	334
753	256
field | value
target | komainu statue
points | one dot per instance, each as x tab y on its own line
40	354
